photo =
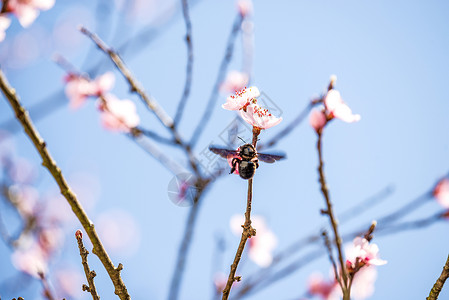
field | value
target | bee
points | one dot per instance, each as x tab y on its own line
245	159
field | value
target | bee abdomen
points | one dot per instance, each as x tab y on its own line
247	169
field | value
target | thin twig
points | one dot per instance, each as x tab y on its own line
247	233
436	289
328	245
184	247
174	167
329	211
149	101
220	77
47	292
189	68
66	191
289	128
259	283
309	240
135	86
90	275
139	41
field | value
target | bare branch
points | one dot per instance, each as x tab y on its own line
149	101
247	233
436	289
189	68
329	211
220	77
90	275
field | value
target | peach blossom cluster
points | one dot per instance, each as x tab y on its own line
334	107
245	102
26	12
115	114
361	259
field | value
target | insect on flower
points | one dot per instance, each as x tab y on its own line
245	159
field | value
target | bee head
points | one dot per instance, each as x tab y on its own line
247	151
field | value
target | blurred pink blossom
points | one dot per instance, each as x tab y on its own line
22	171
25	198
119	232
118	115
363	253
441	192
31	261
259	117
68	283
27	11
363	283
262	245
337	108
242	98
326	289
50	239
79	88
317	119
245	7
4	24
235	81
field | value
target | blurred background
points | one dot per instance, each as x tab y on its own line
391	62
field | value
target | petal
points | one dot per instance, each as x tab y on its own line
44	4
317	119
332	100
26	14
344	113
104	83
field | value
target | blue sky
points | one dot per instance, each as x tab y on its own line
391	62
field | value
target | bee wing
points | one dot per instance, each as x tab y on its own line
270	158
225	153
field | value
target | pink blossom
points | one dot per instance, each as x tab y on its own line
79	88
363	283
68	282
119	115
317	119
262	245
241	98
119	232
25	198
326	289
50	239
441	192
235	81
259	117
338	109
4	24
31	261
22	171
363	253
28	10
245	7
102	84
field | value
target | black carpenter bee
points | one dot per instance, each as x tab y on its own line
246	159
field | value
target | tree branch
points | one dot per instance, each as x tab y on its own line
220	77
329	211
247	233
189	68
49	163
436	289
90	275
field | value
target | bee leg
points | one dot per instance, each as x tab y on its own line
256	162
234	163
